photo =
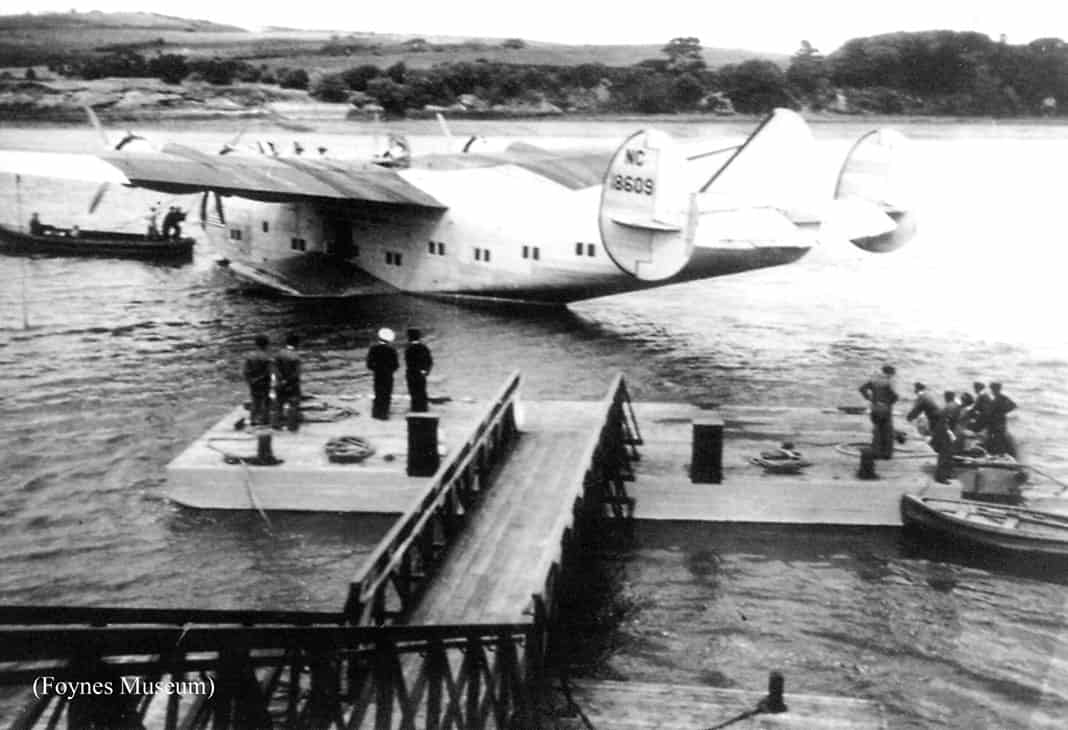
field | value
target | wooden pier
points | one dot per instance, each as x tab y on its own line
828	492
647	705
449	622
214	473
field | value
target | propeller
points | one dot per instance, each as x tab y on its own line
231	145
130	137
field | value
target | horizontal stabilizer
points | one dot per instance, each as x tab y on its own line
854	219
646	224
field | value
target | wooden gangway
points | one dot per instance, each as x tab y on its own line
487	542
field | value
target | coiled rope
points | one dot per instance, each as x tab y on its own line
348	449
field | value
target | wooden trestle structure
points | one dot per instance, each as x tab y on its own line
387	660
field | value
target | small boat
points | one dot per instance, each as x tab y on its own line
1016	529
74	242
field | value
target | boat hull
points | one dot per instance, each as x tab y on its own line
60	242
1020	531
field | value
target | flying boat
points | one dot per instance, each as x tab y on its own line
519	223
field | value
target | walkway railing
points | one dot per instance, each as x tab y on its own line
600	491
395	575
267	675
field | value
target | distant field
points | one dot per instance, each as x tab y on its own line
26	45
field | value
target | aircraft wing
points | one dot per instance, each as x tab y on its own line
180	170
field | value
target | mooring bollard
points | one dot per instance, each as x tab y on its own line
773	703
866	470
264	453
706	457
423	458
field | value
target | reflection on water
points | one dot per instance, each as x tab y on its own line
124	363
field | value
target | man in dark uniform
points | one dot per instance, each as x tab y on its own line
941	436
259	367
879	390
998	440
382	361
417	364
981	409
287	389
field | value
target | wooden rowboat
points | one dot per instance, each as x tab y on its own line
1017	529
67	242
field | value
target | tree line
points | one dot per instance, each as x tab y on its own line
930	72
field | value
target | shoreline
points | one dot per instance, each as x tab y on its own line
61	102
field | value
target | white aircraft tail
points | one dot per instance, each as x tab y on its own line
873	196
647	215
773	167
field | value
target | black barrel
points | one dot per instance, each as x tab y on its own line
423	459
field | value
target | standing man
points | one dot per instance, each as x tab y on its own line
382	361
259	367
417	364
941	437
287	389
880	391
998	440
981	409
168	222
153	221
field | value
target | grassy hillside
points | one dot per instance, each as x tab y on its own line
115	21
35	39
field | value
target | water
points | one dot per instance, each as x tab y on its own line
124	363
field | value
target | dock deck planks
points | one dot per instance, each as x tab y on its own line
494	568
649	706
827	493
307	480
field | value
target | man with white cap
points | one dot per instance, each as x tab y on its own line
382	361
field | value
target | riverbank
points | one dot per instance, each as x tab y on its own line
55	100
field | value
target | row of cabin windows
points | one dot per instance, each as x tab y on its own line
588	248
393	258
482	254
532	252
298	244
436	247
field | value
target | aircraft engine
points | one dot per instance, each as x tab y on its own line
647	216
873	193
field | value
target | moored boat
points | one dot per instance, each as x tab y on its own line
1016	529
73	242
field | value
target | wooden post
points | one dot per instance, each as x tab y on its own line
706	461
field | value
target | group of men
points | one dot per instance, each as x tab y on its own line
172	222
955	425
280	369
382	361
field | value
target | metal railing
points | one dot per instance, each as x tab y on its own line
269	675
600	491
395	575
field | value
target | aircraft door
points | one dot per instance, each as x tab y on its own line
337	235
240	231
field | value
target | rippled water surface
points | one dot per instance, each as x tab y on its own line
121	364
